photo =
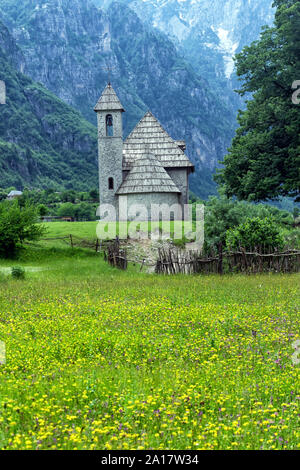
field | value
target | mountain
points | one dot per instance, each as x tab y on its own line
208	32
43	141
223	27
66	45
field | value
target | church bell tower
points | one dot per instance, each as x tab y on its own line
110	145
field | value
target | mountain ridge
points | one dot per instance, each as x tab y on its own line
43	142
66	46
207	33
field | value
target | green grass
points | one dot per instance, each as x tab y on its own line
85	230
88	230
102	359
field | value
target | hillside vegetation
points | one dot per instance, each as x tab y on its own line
43	142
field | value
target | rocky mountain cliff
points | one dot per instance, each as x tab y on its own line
66	45
43	142
208	33
223	27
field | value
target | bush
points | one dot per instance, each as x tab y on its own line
66	210
263	234
292	239
18	273
43	210
17	225
222	214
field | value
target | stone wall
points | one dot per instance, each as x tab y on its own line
146	200
180	178
110	151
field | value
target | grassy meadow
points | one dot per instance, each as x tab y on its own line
87	230
102	359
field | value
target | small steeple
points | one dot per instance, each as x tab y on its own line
109	101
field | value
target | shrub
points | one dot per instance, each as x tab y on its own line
66	210
18	273
17	225
256	233
222	214
43	210
292	239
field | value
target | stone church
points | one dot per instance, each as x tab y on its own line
149	167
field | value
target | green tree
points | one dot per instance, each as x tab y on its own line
3	194
256	233
43	210
94	195
296	212
85	211
17	225
66	210
69	196
223	214
264	159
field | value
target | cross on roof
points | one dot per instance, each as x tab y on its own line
109	69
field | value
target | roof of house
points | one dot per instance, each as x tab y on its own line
147	175
150	132
109	101
15	193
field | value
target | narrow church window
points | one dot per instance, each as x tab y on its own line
109	126
110	183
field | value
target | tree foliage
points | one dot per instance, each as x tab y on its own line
256	233
264	159
223	214
43	141
17	225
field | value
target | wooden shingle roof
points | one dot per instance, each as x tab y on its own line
147	175
109	101
149	132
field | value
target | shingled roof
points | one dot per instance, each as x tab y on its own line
150	132
147	175
109	101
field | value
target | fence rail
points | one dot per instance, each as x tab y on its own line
77	242
175	261
178	262
115	256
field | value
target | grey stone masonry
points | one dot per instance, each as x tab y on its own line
181	179
155	206
149	168
110	145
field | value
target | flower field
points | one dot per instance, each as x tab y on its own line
100	359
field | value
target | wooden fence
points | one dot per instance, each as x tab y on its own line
76	242
115	256
214	261
242	261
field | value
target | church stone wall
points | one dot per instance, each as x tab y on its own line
180	178
110	157
146	199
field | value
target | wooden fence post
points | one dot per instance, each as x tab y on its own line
220	264
142	265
